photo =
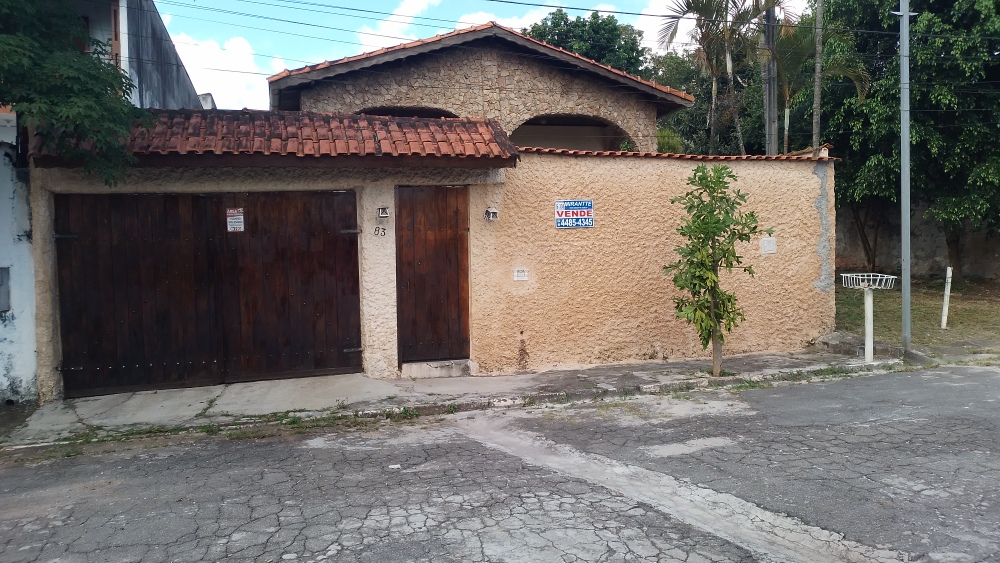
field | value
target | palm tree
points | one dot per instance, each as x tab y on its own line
733	23
794	47
710	54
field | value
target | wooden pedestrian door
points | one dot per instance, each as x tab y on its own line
432	272
162	291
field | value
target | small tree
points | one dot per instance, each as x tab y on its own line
714	225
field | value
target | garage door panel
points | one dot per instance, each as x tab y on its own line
156	293
348	322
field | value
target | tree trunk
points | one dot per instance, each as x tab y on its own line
818	78
716	353
953	236
711	116
731	89
788	112
716	340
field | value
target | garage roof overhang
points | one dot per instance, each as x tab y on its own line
248	138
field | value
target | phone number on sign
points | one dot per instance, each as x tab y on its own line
575	223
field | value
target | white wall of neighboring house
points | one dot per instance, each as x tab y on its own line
147	53
17	325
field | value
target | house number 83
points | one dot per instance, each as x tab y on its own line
379	231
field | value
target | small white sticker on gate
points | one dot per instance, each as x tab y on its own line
234	219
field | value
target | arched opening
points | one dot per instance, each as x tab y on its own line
408	111
574	132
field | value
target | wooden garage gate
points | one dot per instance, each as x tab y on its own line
163	291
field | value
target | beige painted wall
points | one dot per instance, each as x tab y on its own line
487	82
375	188
599	295
593	295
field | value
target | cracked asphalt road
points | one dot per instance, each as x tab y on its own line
890	467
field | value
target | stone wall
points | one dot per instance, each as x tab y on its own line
929	252
599	295
480	80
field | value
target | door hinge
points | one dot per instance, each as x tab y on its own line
58	236
350	231
352	350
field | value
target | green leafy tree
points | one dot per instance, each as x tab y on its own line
795	50
955	108
714	226
64	87
600	38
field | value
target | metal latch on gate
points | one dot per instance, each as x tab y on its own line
350	231
58	236
352	350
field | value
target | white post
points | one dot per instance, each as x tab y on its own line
947	297
869	325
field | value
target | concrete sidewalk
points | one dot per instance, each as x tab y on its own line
355	394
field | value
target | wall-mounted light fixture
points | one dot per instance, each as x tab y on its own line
491	214
383	213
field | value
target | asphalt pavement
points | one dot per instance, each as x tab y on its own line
886	467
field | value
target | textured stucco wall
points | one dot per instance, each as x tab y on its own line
375	188
599	295
17	325
477	81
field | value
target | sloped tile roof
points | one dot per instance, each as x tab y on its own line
570	152
471	33
306	134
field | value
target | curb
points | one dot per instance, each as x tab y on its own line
525	400
601	393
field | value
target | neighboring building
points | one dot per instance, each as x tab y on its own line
140	44
542	95
17	276
259	245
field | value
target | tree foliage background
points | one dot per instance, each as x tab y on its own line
64	87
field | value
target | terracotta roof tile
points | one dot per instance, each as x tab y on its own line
315	135
472	30
570	152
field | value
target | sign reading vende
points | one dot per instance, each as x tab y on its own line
234	219
574	213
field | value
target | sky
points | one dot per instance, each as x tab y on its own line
230	47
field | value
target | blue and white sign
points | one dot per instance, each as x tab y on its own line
574	213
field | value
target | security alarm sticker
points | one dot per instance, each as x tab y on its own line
234	219
574	213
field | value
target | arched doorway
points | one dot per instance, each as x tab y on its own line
575	132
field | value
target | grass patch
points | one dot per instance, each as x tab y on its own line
748	385
973	322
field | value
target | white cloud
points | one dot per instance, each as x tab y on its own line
515	22
278	64
166	18
650	25
228	71
396	28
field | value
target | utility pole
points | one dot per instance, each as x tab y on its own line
770	83
904	165
818	77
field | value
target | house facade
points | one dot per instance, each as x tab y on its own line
306	240
540	95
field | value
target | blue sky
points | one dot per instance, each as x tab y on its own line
230	46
